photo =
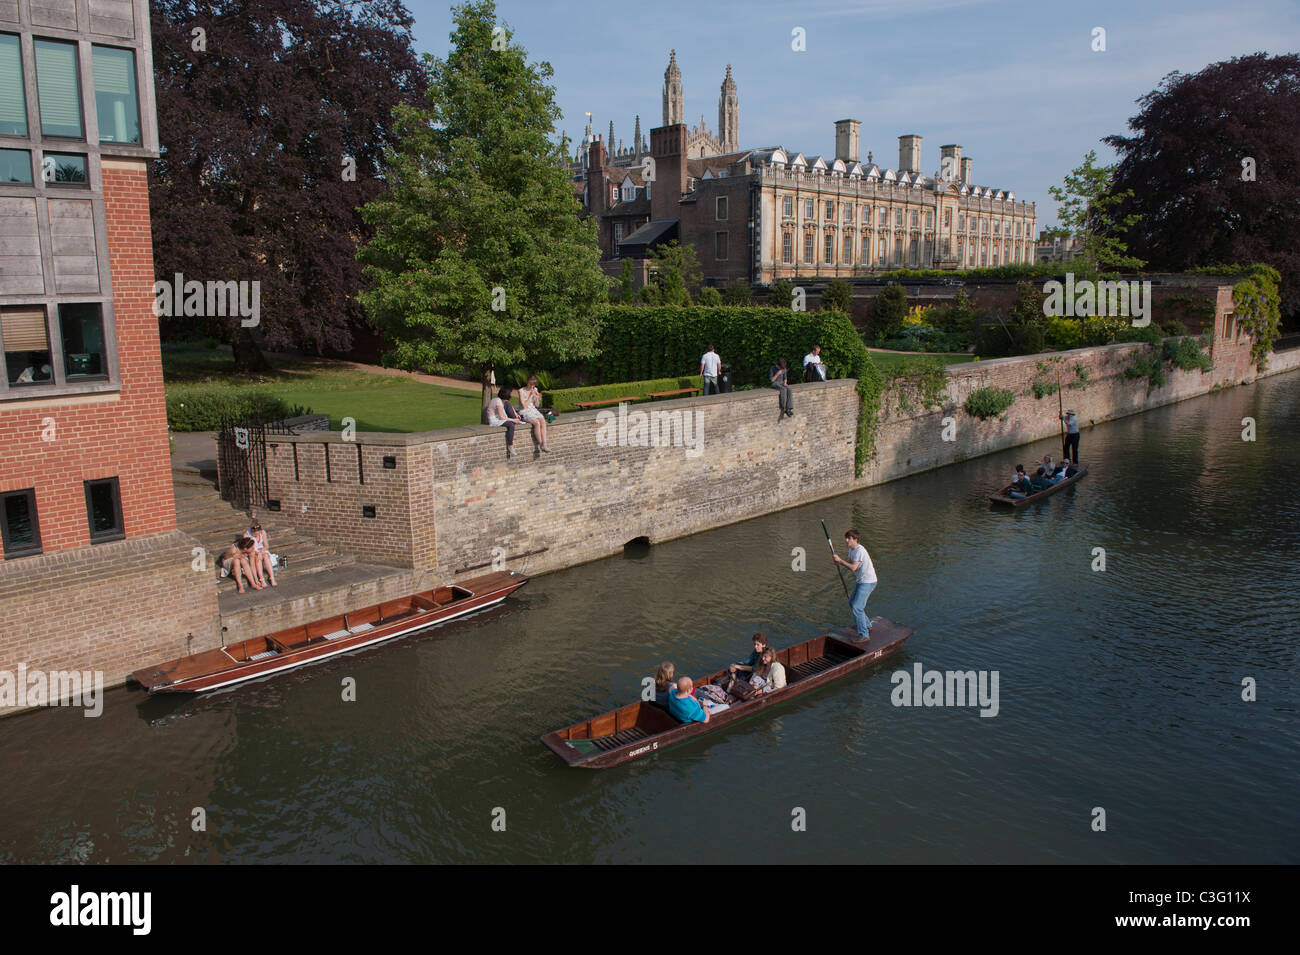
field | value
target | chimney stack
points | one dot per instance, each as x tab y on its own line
668	150
909	153
965	170
950	163
846	139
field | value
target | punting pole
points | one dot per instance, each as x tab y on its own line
1060	404
838	568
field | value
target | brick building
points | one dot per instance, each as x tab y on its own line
91	563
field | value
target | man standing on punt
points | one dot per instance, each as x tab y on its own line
859	561
1071	448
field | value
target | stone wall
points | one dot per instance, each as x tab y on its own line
109	607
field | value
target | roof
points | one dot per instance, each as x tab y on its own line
650	232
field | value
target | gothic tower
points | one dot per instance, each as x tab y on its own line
674	102
729	115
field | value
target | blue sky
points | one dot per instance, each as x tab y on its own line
1017	84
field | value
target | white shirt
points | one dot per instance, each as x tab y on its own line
711	363
866	570
811	359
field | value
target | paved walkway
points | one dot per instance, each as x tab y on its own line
380	370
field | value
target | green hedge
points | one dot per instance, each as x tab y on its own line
566	399
201	407
638	343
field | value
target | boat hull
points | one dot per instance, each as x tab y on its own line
1003	498
277	653
637	728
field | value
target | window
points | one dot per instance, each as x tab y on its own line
996	227
104	510
961	223
916	219
828	250
618	237
13	103
720	246
64	169
884	249
830	211
787	207
929	219
82	329
116	103
866	215
808	240
720	208
848	248
947	218
884	216
848	212
787	247
898	253
21	529
808	211
898	218
59	89
27	345
16	166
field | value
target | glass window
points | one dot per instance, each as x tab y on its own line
848	248
720	209
13	104
884	217
64	169
848	212
22	531
59	89
787	247
808	212
830	212
929	219
915	218
116	104
808	246
104	510
829	251
82	328
898	217
787	207
720	246
27	346
16	166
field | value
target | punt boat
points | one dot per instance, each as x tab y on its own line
1004	496
625	734
310	643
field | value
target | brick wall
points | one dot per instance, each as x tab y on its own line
109	607
120	435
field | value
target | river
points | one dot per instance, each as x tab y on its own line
1120	690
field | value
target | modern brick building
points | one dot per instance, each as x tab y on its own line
91	564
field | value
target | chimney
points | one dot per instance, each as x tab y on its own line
846	139
965	170
668	150
597	197
950	163
909	153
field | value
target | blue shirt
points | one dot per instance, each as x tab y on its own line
686	710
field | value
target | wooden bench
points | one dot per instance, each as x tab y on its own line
584	405
679	391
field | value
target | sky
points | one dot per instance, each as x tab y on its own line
1017	84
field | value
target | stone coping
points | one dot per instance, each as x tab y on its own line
417	438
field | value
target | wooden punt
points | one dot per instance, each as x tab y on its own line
1004	496
625	734
288	649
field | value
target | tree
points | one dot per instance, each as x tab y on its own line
780	293
709	296
738	292
838	296
626	289
1185	169
1027	308
1088	208
479	260
272	137
677	269
887	312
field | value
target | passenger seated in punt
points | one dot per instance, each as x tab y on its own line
664	679
769	675
1020	486
760	644
685	707
1040	481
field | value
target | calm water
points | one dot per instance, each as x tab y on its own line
1119	689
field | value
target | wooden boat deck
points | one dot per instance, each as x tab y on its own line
1004	496
637	729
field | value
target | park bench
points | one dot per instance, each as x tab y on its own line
584	405
669	394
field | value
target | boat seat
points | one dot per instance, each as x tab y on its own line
264	654
362	628
336	634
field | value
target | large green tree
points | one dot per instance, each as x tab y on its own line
1089	208
677	270
479	260
1213	168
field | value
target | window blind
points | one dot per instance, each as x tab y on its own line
23	329
58	89
13	108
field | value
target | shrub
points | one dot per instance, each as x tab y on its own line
709	296
1044	387
202	407
738	292
1173	328
1101	329
989	402
1063	333
1186	354
995	341
1149	366
838	296
649	294
888	312
1150	334
780	293
566	399
518	377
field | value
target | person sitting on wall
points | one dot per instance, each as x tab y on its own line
234	562
530	400
814	369
1020	486
261	562
501	412
663	684
779	379
683	706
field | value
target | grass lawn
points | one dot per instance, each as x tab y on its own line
888	361
377	402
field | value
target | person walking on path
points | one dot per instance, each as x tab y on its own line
710	364
814	369
779	378
859	561
1071	449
